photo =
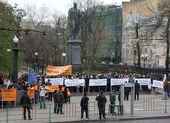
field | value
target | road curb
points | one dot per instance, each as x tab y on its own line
119	119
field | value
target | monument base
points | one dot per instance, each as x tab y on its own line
74	54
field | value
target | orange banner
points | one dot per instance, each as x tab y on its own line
52	88
8	94
59	70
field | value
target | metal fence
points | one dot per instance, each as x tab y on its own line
147	104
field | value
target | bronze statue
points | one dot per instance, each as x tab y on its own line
74	16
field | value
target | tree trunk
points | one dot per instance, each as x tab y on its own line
167	43
138	45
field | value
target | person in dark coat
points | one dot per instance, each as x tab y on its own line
60	102
137	89
26	105
56	101
84	106
127	89
101	100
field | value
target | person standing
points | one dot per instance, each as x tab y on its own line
137	89
126	91
42	97
26	105
101	100
84	106
56	100
60	102
68	95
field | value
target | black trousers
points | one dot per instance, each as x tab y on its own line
60	108
55	107
26	108
50	96
136	95
126	96
102	112
86	111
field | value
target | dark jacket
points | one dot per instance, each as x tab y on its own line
56	97
137	87
60	98
84	102
25	100
101	100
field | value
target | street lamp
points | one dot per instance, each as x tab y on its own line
64	55
36	62
15	59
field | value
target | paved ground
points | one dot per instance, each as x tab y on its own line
147	106
138	121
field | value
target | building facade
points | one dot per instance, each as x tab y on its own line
142	36
109	50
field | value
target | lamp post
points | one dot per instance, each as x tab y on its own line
64	55
36	62
15	59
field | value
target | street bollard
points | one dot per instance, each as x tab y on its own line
49	118
132	99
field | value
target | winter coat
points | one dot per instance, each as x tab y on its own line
84	102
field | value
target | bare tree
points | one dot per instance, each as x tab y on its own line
46	44
92	31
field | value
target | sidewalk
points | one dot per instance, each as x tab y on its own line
148	107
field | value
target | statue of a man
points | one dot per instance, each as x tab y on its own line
74	16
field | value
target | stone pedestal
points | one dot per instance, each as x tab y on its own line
74	51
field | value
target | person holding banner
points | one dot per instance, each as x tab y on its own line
127	90
137	89
26	105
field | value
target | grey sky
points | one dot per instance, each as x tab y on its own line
60	6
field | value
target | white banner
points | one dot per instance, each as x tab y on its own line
55	81
143	81
74	82
98	82
157	84
119	81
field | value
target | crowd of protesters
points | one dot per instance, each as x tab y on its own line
62	94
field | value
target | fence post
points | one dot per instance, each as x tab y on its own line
132	99
166	98
7	115
49	118
121	99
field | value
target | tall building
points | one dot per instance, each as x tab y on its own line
109	50
140	18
